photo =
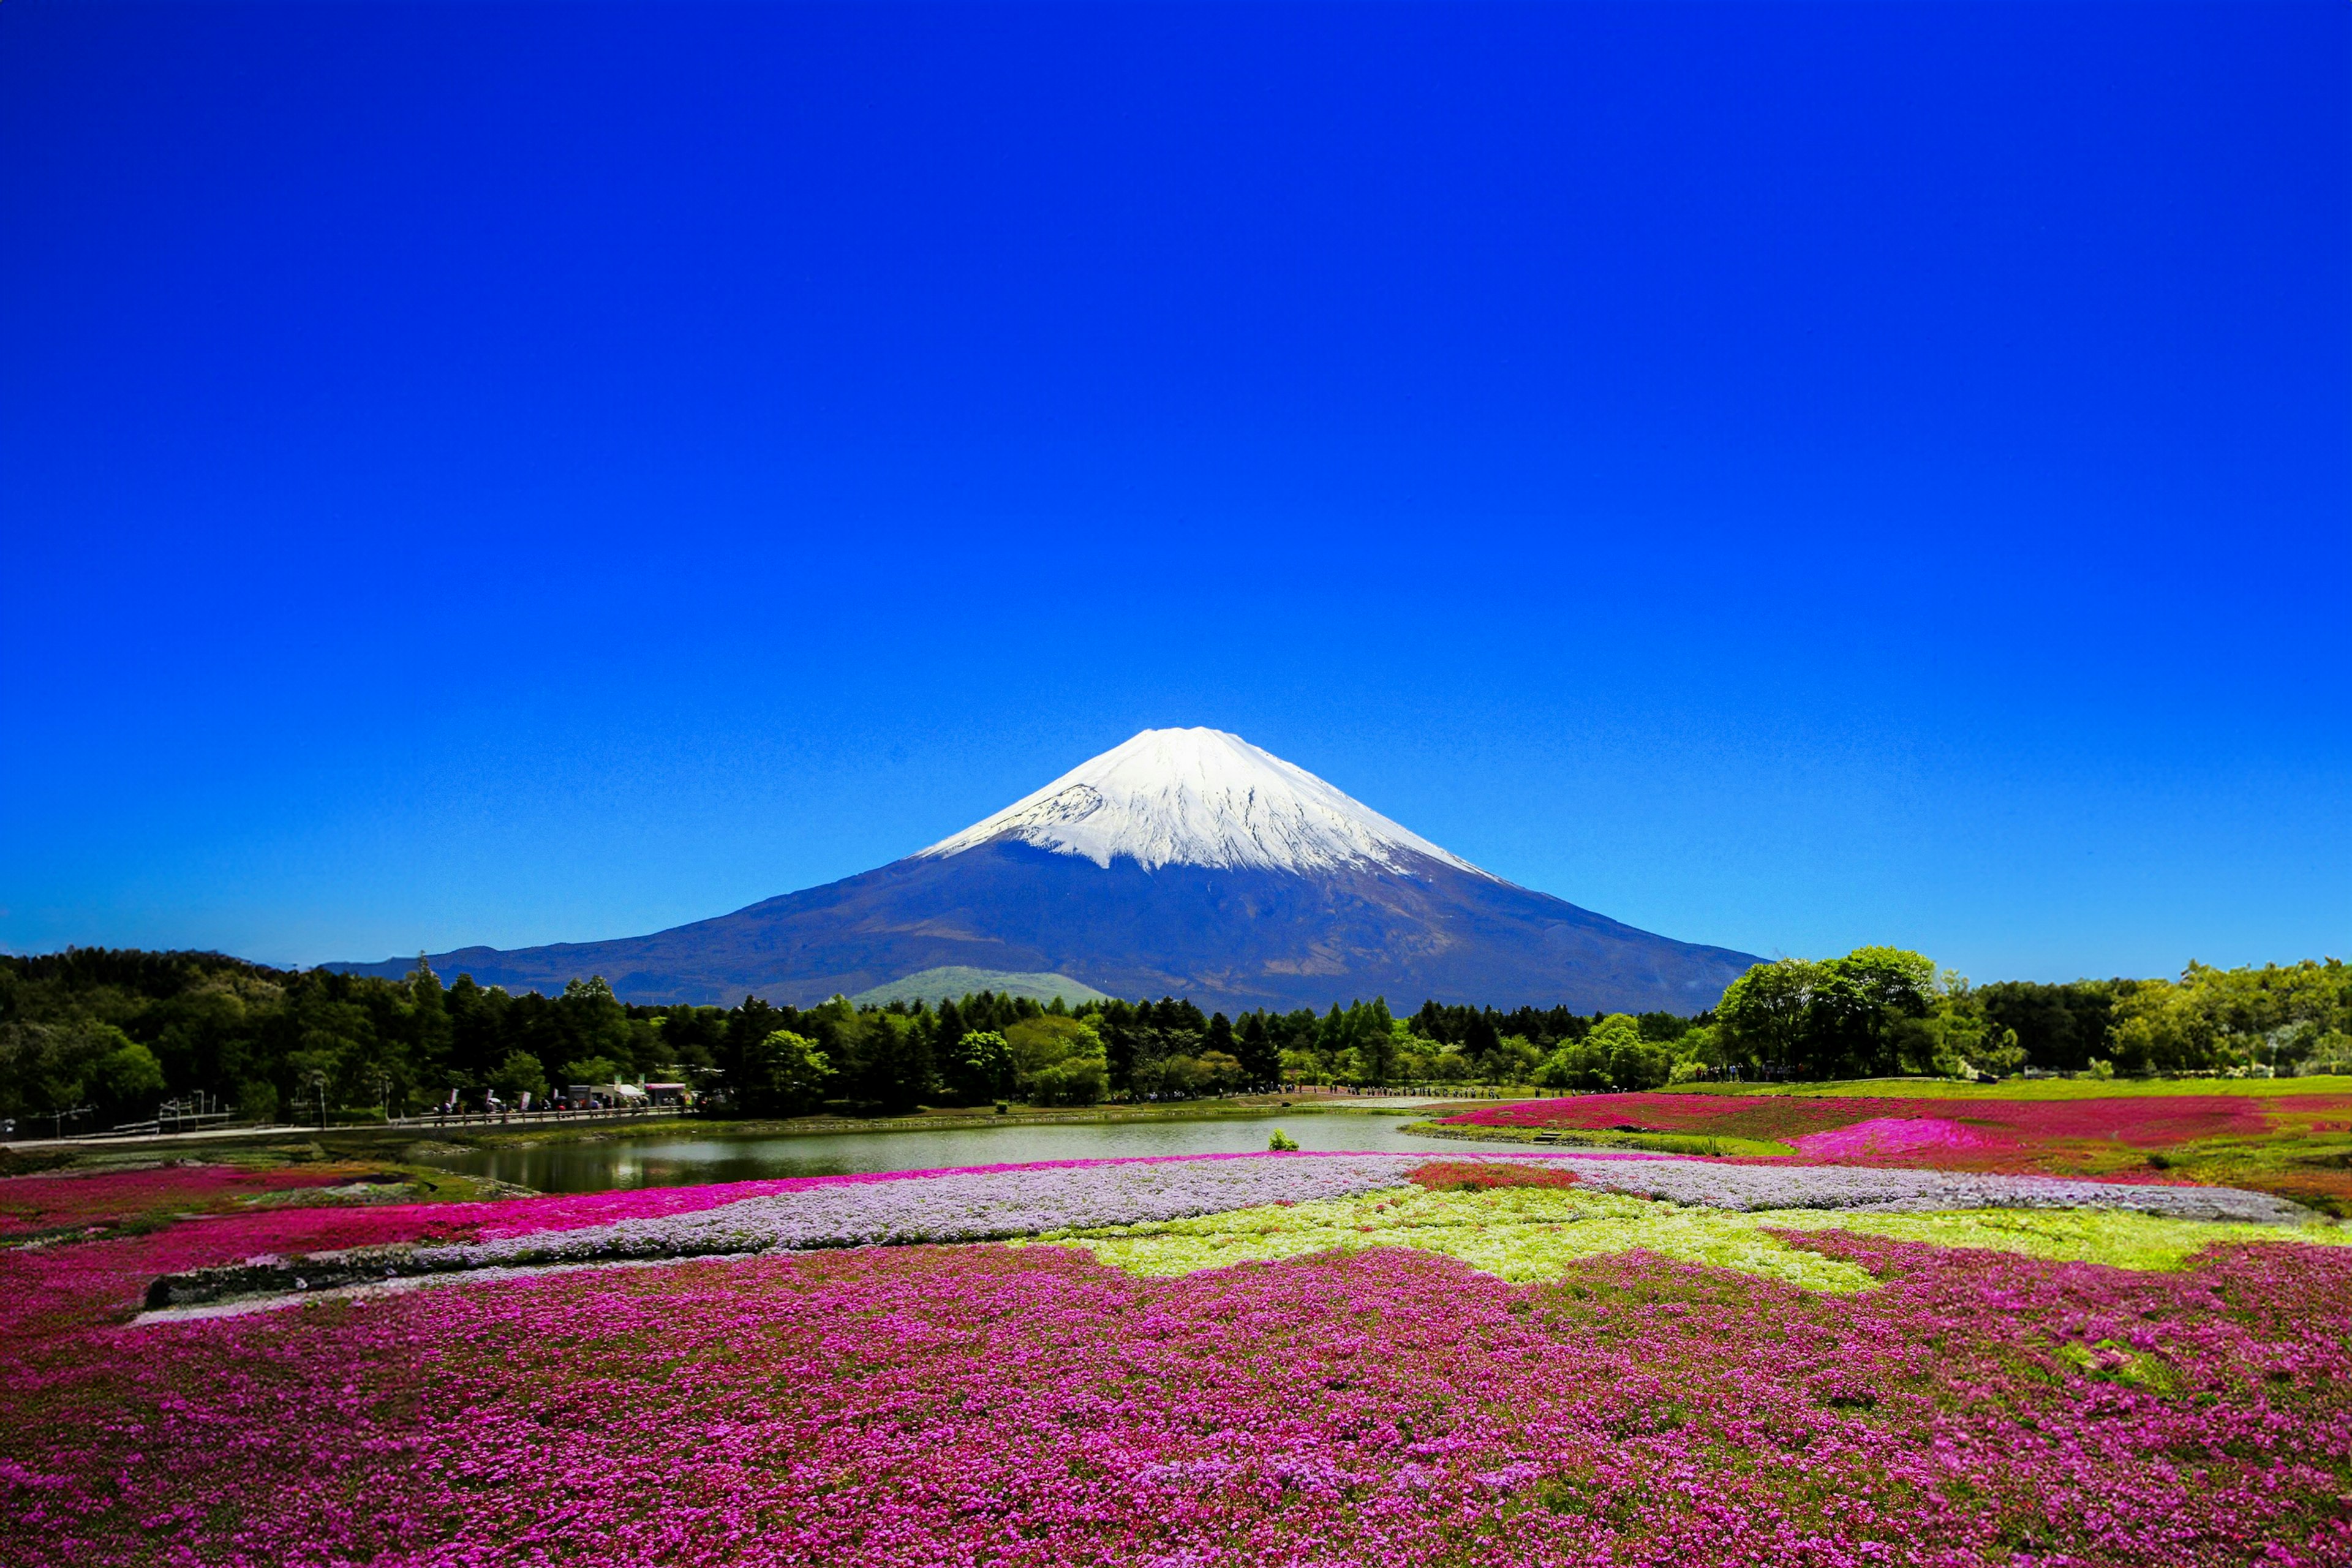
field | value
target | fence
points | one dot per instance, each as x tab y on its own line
533	1118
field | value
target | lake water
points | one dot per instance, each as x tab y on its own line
677	1162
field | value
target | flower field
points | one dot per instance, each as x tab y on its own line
33	1207
2298	1144
1527	1233
2018	1128
1287	1359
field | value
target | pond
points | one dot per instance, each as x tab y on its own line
674	1162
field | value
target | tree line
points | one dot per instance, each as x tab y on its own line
1882	1011
91	1036
98	1035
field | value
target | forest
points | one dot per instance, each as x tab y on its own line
92	1037
1883	1011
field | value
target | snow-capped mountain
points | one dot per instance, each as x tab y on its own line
1200	798
1185	862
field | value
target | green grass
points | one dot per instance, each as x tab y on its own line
2119	1239
1532	1234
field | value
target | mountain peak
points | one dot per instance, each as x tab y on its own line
1200	798
1225	874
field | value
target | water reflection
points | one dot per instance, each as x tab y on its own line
674	1161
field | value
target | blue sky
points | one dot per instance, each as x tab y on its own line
1787	478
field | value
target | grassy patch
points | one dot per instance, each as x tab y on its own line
2115	1238
1720	1145
1528	1235
1522	1235
2111	1361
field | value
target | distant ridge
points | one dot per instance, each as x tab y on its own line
954	981
1181	862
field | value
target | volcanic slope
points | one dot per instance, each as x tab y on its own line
1186	863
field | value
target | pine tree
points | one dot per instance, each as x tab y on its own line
1261	1060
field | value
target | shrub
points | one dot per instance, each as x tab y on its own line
1081	1080
1057	1061
1479	1175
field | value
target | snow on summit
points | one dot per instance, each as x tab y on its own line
1200	798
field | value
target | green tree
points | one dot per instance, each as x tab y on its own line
2256	1020
587	1020
979	1068
129	1076
1859	1007
790	1077
893	1057
1374	1037
1766	1016
2059	1028
1174	1077
1059	1060
1260	1058
311	1072
55	1068
257	1100
1845	1016
1492	1058
1614	1056
1074	1080
430	1033
518	1075
1220	1071
590	1070
1958	1038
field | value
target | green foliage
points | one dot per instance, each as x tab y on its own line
1534	1233
1958	1037
883	1057
1221	1073
1843	1017
1766	1014
94	1036
518	1075
130	1073
1152	1049
2278	1016
787	1075
978	1068
1078	1082
278	1040
1255	1049
1615	1056
1059	1060
1282	1143
2059	1028
76	1065
1879	1011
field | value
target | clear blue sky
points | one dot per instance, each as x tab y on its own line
1784	477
